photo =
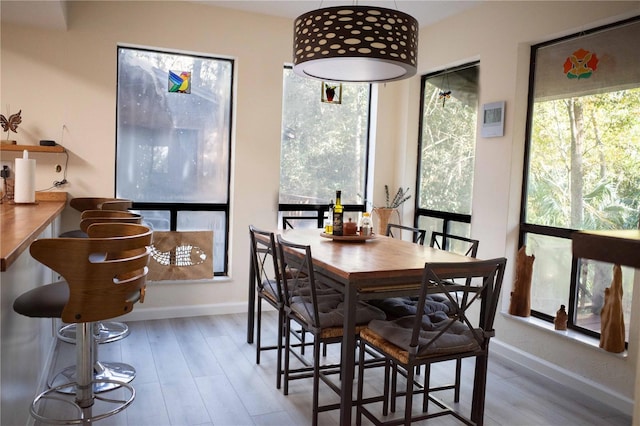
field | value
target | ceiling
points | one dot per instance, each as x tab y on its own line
52	14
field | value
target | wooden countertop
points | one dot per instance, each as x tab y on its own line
615	246
21	224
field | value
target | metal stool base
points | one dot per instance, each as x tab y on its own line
107	376
105	332
84	415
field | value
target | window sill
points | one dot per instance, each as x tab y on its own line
566	334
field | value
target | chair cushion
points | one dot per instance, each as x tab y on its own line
331	310
458	337
270	290
46	301
76	233
398	307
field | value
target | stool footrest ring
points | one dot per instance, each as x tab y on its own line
85	415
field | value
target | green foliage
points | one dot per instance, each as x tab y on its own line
607	156
323	145
448	143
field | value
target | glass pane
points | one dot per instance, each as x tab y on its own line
158	220
594	277
447	141
215	221
324	145
430	224
551	272
172	146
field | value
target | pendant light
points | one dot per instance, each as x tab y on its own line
355	44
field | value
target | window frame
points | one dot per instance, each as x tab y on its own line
552	231
174	208
447	217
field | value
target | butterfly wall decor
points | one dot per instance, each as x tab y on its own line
11	124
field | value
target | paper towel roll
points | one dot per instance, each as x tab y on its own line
25	186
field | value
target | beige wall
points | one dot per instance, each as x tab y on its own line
69	78
500	34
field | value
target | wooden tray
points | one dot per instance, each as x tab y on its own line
348	238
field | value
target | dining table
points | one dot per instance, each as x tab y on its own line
364	269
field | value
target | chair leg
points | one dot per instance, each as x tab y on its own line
279	350
425	396
287	349
258	330
316	379
456	391
408	403
394	384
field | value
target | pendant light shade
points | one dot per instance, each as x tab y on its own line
355	44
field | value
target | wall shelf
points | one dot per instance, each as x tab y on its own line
32	148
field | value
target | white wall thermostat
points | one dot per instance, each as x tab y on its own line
492	120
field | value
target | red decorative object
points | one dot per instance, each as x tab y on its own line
580	64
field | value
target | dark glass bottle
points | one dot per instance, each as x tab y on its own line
338	215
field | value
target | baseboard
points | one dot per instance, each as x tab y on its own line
144	314
511	354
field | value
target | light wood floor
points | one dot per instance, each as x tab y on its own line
201	371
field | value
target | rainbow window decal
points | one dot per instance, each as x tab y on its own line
180	81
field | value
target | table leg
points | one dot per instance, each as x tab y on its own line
251	301
348	354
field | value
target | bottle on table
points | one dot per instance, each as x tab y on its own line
328	223
366	225
338	215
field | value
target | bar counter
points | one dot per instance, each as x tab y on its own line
20	225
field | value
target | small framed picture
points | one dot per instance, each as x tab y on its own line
331	93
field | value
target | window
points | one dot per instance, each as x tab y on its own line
324	148
581	166
449	109
173	141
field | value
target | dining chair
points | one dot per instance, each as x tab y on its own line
467	247
417	340
268	288
318	310
454	243
395	231
104	275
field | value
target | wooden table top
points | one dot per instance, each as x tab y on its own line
376	262
21	224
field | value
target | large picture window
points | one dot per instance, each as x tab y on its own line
449	109
325	148
173	141
582	165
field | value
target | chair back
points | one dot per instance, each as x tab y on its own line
99	203
89	217
395	231
480	281
454	243
296	271
106	272
264	258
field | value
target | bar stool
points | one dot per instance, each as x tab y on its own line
105	275
82	204
104	331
